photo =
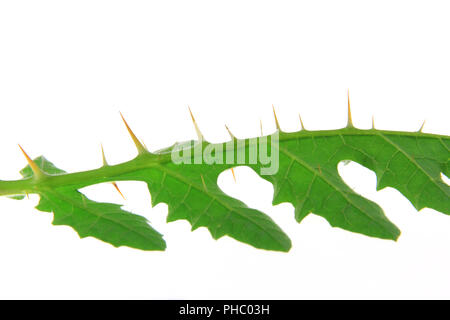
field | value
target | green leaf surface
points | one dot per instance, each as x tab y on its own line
104	221
307	177
192	194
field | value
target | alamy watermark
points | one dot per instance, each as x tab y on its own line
262	150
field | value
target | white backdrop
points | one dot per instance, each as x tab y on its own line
68	68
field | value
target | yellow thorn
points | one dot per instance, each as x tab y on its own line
260	125
203	181
199	133
118	190
34	167
373	122
105	163
229	132
276	119
349	111
140	147
234	176
28	197
301	122
421	128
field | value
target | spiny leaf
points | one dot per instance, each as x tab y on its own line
192	193
104	221
306	176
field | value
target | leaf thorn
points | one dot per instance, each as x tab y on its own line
197	129
139	146
105	163
118	190
34	167
301	122
276	119
231	134
234	176
421	127
349	111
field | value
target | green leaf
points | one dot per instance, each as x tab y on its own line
307	177
192	193
104	221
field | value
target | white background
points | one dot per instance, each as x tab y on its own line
67	68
